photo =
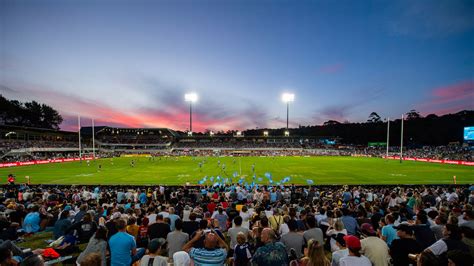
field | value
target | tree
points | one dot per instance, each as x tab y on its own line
28	114
374	118
413	114
331	122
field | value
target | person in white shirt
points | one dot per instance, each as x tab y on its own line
342	252
354	257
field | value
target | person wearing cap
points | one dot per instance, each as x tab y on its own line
373	247
354	257
406	244
341	252
155	249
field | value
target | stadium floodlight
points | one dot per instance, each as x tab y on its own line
191	98
287	98
239	133
211	133
287	133
265	133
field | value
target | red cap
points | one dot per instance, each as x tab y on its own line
352	242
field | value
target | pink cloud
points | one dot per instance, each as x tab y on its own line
450	98
331	69
173	115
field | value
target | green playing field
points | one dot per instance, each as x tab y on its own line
180	170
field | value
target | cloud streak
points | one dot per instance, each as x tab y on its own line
450	98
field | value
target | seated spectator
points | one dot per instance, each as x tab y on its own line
423	233
93	259
31	223
123	247
334	230
155	249
437	228
181	258
85	228
61	225
97	244
354	257
459	258
451	241
469	219
388	233
404	245
374	248
341	252
176	239
132	227
214	251
272	253
314	254
350	223
468	238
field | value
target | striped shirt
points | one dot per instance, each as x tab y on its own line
205	257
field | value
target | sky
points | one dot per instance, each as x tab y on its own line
129	63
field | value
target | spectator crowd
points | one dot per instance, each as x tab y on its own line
235	225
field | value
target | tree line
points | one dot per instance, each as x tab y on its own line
418	130
28	114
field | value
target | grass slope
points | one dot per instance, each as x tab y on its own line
179	170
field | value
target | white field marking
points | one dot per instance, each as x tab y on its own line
183	176
398	175
85	175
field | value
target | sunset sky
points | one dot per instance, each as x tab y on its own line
129	63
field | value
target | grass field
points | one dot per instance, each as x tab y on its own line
179	170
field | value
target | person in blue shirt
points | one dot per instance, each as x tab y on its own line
350	223
142	197
31	224
388	232
123	247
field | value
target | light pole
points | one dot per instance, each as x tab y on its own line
191	98
287	98
388	133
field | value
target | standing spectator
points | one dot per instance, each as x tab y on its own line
404	245
272	253
423	233
354	257
293	239
350	223
221	217
176	239
160	229
234	231
191	226
313	232
173	217
97	244
123	247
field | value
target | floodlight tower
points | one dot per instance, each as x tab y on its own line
191	98
287	98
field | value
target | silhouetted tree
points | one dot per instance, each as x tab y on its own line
413	114
374	118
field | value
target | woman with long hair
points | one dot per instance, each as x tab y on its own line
97	244
314	255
